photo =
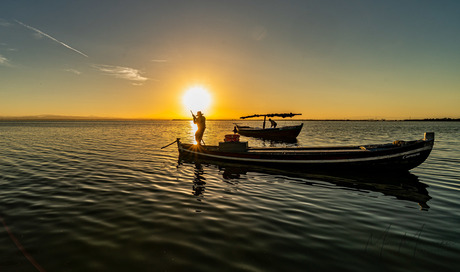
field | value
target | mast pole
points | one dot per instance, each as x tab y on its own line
265	117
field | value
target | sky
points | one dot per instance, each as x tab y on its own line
137	59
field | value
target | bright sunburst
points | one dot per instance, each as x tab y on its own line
196	99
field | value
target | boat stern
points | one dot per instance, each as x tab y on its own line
429	136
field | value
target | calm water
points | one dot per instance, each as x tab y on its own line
103	196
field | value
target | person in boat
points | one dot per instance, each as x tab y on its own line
272	122
200	121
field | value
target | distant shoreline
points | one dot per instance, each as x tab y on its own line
90	118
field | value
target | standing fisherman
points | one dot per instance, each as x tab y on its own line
200	121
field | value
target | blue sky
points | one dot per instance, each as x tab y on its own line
326	59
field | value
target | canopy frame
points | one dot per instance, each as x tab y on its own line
282	115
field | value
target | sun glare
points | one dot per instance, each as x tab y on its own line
197	99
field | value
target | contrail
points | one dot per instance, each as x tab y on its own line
48	36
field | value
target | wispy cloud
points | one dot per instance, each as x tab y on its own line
159	60
4	46
51	38
4	61
121	72
4	22
73	71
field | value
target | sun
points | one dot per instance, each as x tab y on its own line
197	98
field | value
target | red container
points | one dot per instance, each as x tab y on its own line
232	138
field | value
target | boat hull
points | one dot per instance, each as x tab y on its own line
389	157
288	133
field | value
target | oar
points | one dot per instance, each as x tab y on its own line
169	144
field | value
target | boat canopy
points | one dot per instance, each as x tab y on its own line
283	115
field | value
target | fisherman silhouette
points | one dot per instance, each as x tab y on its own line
200	121
273	123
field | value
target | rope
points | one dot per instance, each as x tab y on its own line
21	248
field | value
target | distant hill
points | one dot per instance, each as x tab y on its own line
435	119
56	117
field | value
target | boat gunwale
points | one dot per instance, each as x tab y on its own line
351	148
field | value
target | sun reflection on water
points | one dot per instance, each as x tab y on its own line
193	129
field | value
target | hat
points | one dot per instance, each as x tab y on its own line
198	112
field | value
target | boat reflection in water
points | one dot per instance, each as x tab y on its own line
199	181
402	185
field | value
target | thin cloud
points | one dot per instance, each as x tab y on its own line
51	38
121	72
73	71
4	46
159	60
4	61
4	23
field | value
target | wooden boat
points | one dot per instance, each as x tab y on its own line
285	133
396	156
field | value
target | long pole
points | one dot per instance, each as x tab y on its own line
169	144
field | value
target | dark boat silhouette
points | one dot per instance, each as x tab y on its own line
284	133
391	157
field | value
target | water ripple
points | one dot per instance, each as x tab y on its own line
103	196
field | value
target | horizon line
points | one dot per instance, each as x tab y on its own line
99	118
